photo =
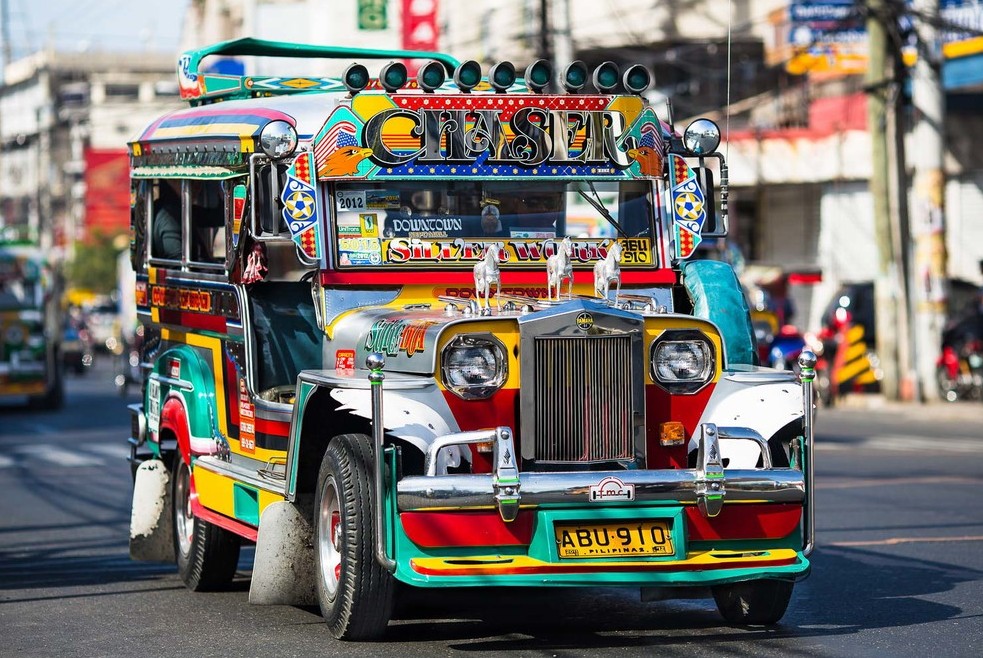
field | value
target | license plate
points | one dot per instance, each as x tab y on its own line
622	539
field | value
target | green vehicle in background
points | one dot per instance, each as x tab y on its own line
30	327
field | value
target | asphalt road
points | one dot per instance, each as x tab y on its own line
898	570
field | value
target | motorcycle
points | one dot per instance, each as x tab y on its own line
959	367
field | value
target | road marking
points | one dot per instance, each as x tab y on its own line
898	443
60	456
117	450
5	461
887	482
903	540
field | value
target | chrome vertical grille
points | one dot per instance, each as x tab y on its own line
583	398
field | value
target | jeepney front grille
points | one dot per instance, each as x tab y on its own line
583	398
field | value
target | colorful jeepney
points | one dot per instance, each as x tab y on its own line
450	332
30	329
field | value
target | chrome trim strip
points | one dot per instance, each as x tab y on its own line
249	477
784	485
170	381
807	372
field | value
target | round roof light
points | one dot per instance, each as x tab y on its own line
356	78
430	76
392	76
575	76
606	77
278	139
636	79
702	137
538	76
502	76
467	75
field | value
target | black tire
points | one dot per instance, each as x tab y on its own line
354	591
753	602
206	555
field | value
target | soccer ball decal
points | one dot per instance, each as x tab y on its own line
688	206
300	205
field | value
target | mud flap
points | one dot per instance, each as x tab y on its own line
283	569
151	530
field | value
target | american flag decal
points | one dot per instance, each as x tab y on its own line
341	134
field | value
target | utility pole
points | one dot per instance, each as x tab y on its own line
878	86
545	29
928	196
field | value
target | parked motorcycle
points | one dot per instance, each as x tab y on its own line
959	367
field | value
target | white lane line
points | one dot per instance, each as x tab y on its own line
5	461
61	457
119	450
959	444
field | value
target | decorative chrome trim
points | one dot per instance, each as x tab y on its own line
710	482
374	363
807	372
170	381
418	493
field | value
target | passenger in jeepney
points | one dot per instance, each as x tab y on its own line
166	229
491	222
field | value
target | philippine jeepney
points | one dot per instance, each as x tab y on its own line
30	328
450	332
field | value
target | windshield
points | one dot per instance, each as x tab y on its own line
373	218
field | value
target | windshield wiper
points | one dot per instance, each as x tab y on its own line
599	207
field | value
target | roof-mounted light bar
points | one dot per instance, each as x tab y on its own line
467	75
637	79
539	75
575	76
502	76
606	77
356	78
431	76
393	76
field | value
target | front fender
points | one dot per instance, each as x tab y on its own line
186	390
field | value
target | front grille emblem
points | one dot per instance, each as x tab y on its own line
585	321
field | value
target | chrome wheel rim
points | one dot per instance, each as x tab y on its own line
329	537
184	520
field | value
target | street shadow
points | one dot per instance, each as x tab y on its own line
850	590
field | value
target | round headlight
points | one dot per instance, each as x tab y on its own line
682	362
702	137
474	367
278	139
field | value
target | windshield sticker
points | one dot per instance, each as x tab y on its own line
350	200
415	251
688	207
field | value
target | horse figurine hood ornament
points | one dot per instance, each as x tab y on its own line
608	270
487	272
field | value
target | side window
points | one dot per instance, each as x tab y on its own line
165	221
207	221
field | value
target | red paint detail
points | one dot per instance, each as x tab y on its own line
216	323
599	568
272	427
222	521
174	417
449	529
805	278
466	277
231	390
499	409
743	522
661	407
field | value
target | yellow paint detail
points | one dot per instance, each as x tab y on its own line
855	351
239	129
368	105
506	331
963	48
247	144
155	314
215	491
629	106
492	564
214	345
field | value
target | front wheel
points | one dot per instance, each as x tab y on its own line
206	555
753	602
354	591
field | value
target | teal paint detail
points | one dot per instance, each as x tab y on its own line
245	504
543	547
717	296
304	392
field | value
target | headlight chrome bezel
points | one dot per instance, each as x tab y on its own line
675	339
489	387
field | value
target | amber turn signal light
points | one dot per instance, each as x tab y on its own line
672	433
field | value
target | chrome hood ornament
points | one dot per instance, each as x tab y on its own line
608	270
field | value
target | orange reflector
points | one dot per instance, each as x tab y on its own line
672	433
488	446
